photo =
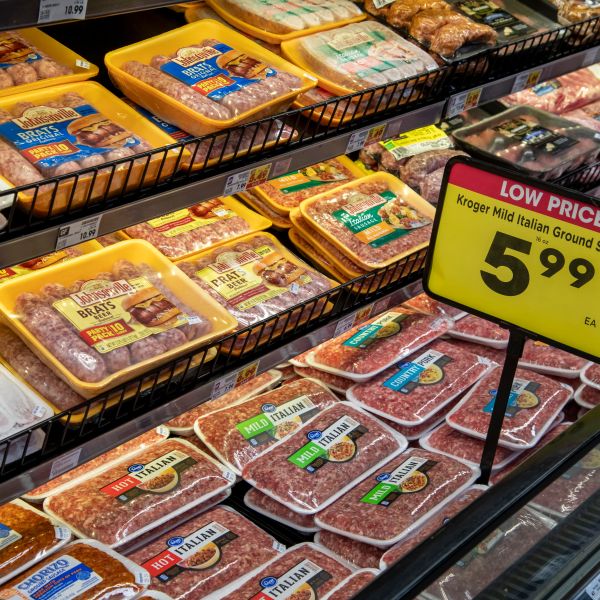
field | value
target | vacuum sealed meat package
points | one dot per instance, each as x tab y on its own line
359	554
418	170
587	115
591	375
587	397
548	360
333	382
424	303
315	465
348	588
385	506
480	331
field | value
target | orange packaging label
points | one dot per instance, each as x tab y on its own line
45	150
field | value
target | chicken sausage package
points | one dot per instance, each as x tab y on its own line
397	498
375	220
357	57
591	375
353	584
28	536
548	360
359	554
371	347
202	555
314	466
303	571
480	331
533	404
149	488
587	396
204	77
535	142
100	319
83	569
413	391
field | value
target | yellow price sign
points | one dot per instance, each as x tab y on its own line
520	252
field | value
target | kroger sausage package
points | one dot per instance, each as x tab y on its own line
333	382
419	386
591	375
371	347
348	588
359	554
480	331
308	470
238	434
587	396
548	360
140	493
204	554
397	498
534	403
425	304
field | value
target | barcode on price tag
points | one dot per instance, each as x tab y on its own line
61	10
359	139
81	231
345	324
233	380
238	182
526	80
65	463
82	64
463	101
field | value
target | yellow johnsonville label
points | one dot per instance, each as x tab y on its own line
112	314
246	279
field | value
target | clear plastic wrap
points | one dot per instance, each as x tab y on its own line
424	303
333	382
591	375
588	115
396	499
359	554
496	355
348	588
480	331
548	360
587	396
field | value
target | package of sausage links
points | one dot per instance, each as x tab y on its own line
397	498
418	387
238	434
371	347
480	331
359	554
548	360
305	571
83	569
140	493
587	396
591	375
308	470
348	588
533	405
26	537
204	554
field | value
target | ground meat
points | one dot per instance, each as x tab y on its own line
587	397
384	507
240	433
414	433
333	382
361	555
348	444
536	400
96	509
478	330
428	305
369	348
352	585
430	526
328	572
229	544
494	354
547	359
264	505
413	391
591	375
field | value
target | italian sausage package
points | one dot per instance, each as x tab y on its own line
414	433
534	403
348	588
436	521
306	571
308	470
370	348
587	396
333	382
95	465
204	554
396	499
147	489
184	424
548	360
238	434
266	506
359	554
375	220
100	319
307	250
451	442
480	331
278	220
591	375
424	303
83	569
202	226
418	387
28	536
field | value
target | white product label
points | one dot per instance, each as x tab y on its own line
344	324
381	3
62	579
61	10
526	79
229	382
238	182
593	588
359	139
8	536
82	64
62	533
463	101
80	231
405	471
286	585
65	463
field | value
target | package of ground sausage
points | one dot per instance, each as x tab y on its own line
348	588
587	396
317	464
478	330
396	499
496	355
140	493
26	537
533	404
590	375
424	303
548	360
371	347
204	554
83	569
304	571
413	391
265	505
238	434
414	433
359	554
333	382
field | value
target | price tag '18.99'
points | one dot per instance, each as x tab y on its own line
81	231
520	252
61	10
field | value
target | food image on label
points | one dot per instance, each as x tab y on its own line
377	219
8	536
197	551
276	422
157	477
299	583
309	177
385	326
426	369
489	13
533	134
336	443
408	478
541	89
416	141
14	51
522	396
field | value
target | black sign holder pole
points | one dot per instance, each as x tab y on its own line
516	341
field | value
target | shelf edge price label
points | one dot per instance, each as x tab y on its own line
229	382
61	10
238	182
359	139
519	252
80	231
463	101
526	79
